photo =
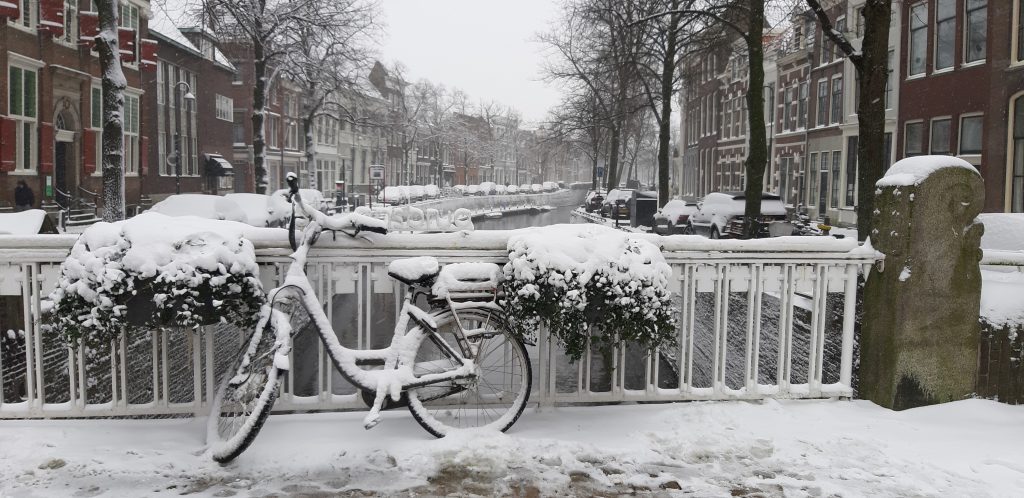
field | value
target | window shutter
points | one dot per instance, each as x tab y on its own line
88	27
148	54
88	151
51	17
45	148
126	43
8	144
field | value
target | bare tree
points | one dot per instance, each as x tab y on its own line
323	63
264	26
872	65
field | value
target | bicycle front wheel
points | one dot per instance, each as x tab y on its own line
494	398
249	389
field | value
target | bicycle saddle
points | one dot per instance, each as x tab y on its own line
420	270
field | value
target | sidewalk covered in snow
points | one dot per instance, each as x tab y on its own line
772	448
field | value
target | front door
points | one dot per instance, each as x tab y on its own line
60	172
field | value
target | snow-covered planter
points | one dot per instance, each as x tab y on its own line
155	271
588	283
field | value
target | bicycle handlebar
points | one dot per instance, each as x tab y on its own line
341	223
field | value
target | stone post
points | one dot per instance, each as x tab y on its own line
919	335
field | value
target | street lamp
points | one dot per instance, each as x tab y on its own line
189	97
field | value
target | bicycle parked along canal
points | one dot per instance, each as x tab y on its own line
455	365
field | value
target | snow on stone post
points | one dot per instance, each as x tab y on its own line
919	336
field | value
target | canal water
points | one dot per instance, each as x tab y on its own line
526	219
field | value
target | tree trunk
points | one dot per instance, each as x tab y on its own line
757	156
874	73
310	150
113	112
259	101
668	72
613	160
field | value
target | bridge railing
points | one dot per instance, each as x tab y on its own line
756	319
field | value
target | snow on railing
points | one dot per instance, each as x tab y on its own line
757	319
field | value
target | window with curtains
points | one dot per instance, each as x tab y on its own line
851	171
22	107
70	36
131	134
837	163
129	18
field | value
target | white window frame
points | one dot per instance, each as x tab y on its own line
935	39
130	21
131	132
983	60
95	87
225	108
908	123
70	36
931	136
1016	54
1010	153
960	134
910	39
29	8
21	120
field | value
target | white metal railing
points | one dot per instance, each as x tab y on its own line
757	319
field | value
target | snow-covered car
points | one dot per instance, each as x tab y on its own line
473	190
213	207
536	188
720	214
499	189
393	195
256	206
674	217
488	188
431	191
512	189
593	201
549	186
461	189
616	203
525	189
417	193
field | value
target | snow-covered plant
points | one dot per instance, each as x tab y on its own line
182	271
588	283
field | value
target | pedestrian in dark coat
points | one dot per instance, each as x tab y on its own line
24	199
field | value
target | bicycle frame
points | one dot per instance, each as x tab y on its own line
396	359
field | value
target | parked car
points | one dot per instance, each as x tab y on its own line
616	203
393	195
549	186
512	189
431	191
473	190
536	188
417	193
488	188
593	201
525	189
674	217
720	214
212	207
500	189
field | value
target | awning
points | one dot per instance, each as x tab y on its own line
216	165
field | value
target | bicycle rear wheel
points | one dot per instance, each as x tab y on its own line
494	399
249	389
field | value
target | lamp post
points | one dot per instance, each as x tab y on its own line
189	97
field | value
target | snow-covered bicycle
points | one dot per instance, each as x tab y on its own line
455	366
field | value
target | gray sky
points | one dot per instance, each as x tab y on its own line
484	47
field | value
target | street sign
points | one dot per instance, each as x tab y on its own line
600	171
376	172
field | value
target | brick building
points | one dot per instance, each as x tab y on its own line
188	60
50	113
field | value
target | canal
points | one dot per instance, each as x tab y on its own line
526	219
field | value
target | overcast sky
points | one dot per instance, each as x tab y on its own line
484	47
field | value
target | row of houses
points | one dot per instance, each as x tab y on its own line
955	87
188	109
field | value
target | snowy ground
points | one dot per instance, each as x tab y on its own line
970	448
